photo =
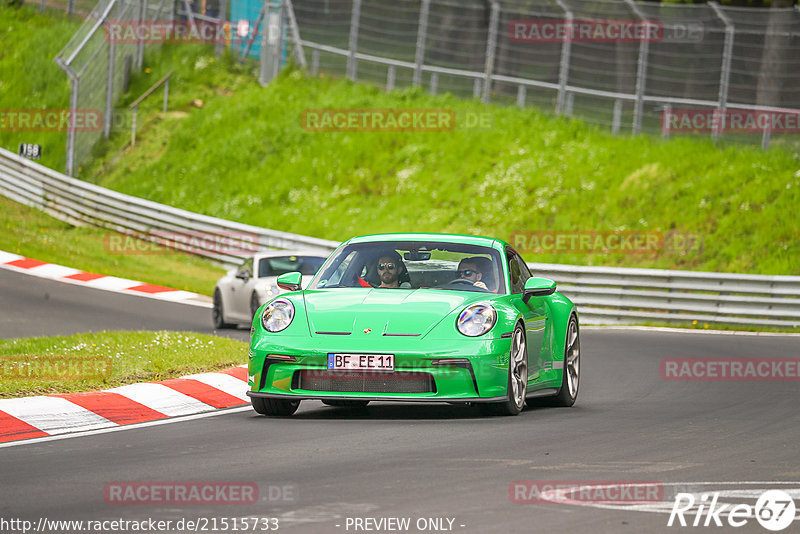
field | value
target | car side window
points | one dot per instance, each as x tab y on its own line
518	270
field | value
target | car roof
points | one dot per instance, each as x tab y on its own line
442	238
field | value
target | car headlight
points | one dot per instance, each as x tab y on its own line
477	319
278	315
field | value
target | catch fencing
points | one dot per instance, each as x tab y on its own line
603	295
700	60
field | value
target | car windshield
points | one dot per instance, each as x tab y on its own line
307	265
413	265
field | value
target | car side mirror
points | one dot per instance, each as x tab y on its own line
537	287
290	281
243	275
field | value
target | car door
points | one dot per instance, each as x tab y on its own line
239	302
534	313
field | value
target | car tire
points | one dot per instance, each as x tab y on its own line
254	305
346	403
572	366
217	314
568	392
274	407
517	378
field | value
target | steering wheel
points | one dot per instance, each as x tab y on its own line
460	281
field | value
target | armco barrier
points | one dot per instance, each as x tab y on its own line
604	295
82	203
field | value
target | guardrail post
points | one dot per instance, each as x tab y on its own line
71	7
521	91
765	136
390	78
42	6
353	43
434	82
422	33
566	52
641	69
665	131
491	49
476	88
725	73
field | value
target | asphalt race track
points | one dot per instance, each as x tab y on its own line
325	465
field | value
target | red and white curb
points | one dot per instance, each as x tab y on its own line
50	415
15	262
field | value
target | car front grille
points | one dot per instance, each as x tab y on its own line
363	382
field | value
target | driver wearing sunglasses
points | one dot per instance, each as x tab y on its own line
389	271
468	270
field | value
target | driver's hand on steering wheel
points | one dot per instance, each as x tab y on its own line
480	285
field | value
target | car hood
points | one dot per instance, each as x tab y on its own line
391	312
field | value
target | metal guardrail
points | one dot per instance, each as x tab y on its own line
82	203
604	295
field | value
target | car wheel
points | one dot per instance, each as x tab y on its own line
277	407
217	313
572	366
346	403
517	378
254	305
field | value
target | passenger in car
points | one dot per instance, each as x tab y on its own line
392	271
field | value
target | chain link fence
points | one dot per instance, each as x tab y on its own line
696	68
634	67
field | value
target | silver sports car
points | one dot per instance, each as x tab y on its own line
243	290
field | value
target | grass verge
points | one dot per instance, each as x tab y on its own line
29	232
103	360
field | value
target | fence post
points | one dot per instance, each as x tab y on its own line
563	69
353	44
491	48
73	107
617	117
315	62
422	33
71	7
390	78
42	6
222	14
665	129
641	69
141	16
725	74
109	89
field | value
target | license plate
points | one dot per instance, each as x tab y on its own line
361	362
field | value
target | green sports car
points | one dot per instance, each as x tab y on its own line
416	318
